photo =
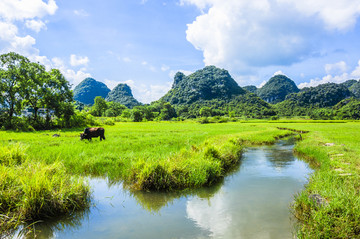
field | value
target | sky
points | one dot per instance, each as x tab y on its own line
145	42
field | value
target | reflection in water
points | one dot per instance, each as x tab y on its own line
255	202
252	202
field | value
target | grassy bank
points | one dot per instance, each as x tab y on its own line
31	191
329	207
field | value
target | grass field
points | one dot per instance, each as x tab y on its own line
177	155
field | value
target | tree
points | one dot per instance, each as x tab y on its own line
205	112
58	96
34	87
100	106
12	74
136	115
114	109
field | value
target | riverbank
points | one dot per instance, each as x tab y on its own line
32	191
329	207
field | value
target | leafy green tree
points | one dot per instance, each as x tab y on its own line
35	87
114	109
59	97
205	112
126	114
13	79
99	106
136	115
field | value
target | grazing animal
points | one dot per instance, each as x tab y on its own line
90	133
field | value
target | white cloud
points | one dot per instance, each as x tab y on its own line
78	60
334	78
143	1
336	68
279	73
74	77
356	72
338	15
26	9
147	93
239	34
35	25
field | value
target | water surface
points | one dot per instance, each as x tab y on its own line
252	202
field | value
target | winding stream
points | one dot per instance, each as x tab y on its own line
252	202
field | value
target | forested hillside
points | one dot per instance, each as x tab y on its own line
88	89
122	94
276	89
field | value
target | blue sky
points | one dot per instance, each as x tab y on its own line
145	42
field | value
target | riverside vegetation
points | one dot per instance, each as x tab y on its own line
179	155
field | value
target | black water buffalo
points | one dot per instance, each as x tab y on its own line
90	133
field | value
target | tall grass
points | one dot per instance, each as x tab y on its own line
31	190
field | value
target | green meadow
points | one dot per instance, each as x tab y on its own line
174	156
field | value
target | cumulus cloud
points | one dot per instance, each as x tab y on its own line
334	78
338	15
238	34
78	60
26	9
28	12
74	77
147	93
35	25
279	73
336	68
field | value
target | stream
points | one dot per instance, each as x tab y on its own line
252	202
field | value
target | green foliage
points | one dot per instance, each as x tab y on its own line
355	89
325	95
25	84
100	106
348	109
114	109
206	84
31	190
251	88
349	83
122	94
205	112
276	89
88	89
13	83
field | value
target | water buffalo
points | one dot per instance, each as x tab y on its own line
90	133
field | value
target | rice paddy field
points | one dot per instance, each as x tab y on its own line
42	175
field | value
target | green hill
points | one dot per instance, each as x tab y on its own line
123	95
276	89
88	89
206	84
325	95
